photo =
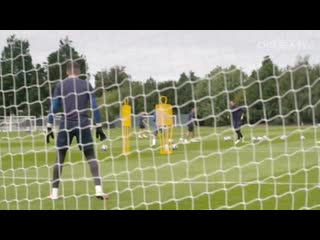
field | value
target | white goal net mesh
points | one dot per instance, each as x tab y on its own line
275	165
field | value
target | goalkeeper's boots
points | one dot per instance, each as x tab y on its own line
102	196
53	197
54	194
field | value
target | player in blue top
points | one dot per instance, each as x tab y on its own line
143	123
237	117
76	97
155	131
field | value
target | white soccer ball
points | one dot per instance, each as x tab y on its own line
104	147
175	146
283	137
302	138
227	139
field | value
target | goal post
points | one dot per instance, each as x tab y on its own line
18	123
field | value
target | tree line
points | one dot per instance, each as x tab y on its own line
288	95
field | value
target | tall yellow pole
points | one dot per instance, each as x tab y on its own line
164	115
126	127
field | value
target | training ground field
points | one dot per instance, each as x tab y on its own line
210	174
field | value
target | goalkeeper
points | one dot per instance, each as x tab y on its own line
75	96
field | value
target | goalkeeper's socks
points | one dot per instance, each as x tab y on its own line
98	189
54	193
99	194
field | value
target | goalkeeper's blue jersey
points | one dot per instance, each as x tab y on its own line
236	114
191	118
76	97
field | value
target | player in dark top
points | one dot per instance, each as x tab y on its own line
76	97
237	117
191	124
143	123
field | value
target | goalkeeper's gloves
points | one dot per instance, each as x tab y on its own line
99	133
49	133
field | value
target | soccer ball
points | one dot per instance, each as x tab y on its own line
175	146
302	138
260	139
226	139
283	137
104	147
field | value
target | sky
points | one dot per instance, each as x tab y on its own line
165	54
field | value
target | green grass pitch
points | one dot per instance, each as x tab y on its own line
210	174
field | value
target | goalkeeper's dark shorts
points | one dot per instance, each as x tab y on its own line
237	125
70	129
191	128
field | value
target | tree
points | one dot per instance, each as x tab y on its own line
213	93
254	113
58	60
262	92
315	93
286	94
267	74
211	98
16	77
108	80
152	95
301	84
184	92
39	92
112	87
139	99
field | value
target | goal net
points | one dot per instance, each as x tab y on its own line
275	165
